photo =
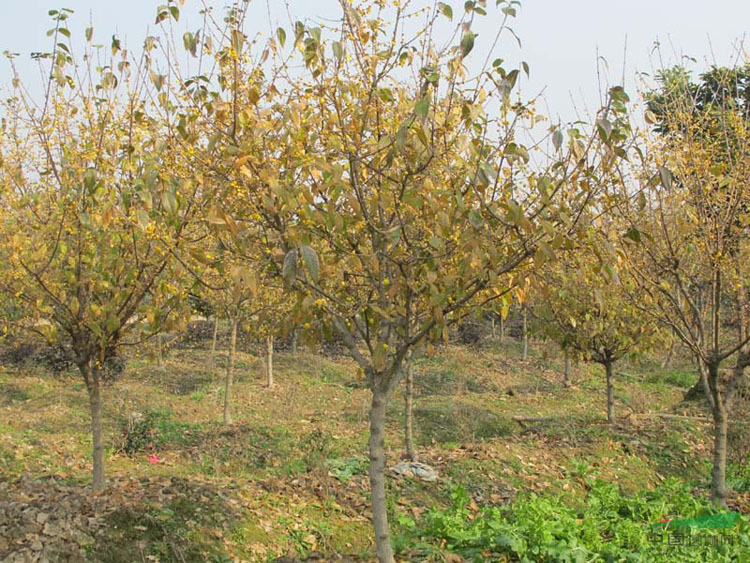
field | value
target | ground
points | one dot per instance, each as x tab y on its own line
288	478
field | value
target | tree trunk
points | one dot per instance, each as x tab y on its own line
230	373
493	326
213	342
525	336
294	341
667	361
566	371
159	352
502	329
93	385
269	361
719	469
610	394
383	548
411	453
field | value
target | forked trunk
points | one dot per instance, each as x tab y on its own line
411	452
610	394
230	374
383	548
269	361
719	468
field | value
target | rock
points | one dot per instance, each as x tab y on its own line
415	469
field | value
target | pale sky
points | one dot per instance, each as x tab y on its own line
560	38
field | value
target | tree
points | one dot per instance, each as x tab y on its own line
585	308
410	200
688	242
95	205
386	185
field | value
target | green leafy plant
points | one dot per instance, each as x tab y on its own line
345	469
152	431
610	526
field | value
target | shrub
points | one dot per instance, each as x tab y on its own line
152	431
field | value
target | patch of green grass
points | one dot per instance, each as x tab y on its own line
240	450
738	476
458	422
682	378
176	531
10	394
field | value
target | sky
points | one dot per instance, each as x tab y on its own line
562	40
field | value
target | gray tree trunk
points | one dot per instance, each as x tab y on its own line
525	336
411	452
294	341
566	371
719	468
610	394
502	329
230	373
213	341
93	386
159	350
383	548
667	361
269	361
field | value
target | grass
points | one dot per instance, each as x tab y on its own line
290	476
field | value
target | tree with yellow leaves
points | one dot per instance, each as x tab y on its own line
386	183
584	305
94	209
687	233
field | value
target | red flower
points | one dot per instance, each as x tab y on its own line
153	459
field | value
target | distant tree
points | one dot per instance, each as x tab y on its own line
688	235
585	308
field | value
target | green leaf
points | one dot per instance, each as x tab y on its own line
475	218
89	180
312	263
422	107
190	41
666	177
89	33
143	218
338	50
467	43
557	139
633	234
446	10
281	36
289	269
